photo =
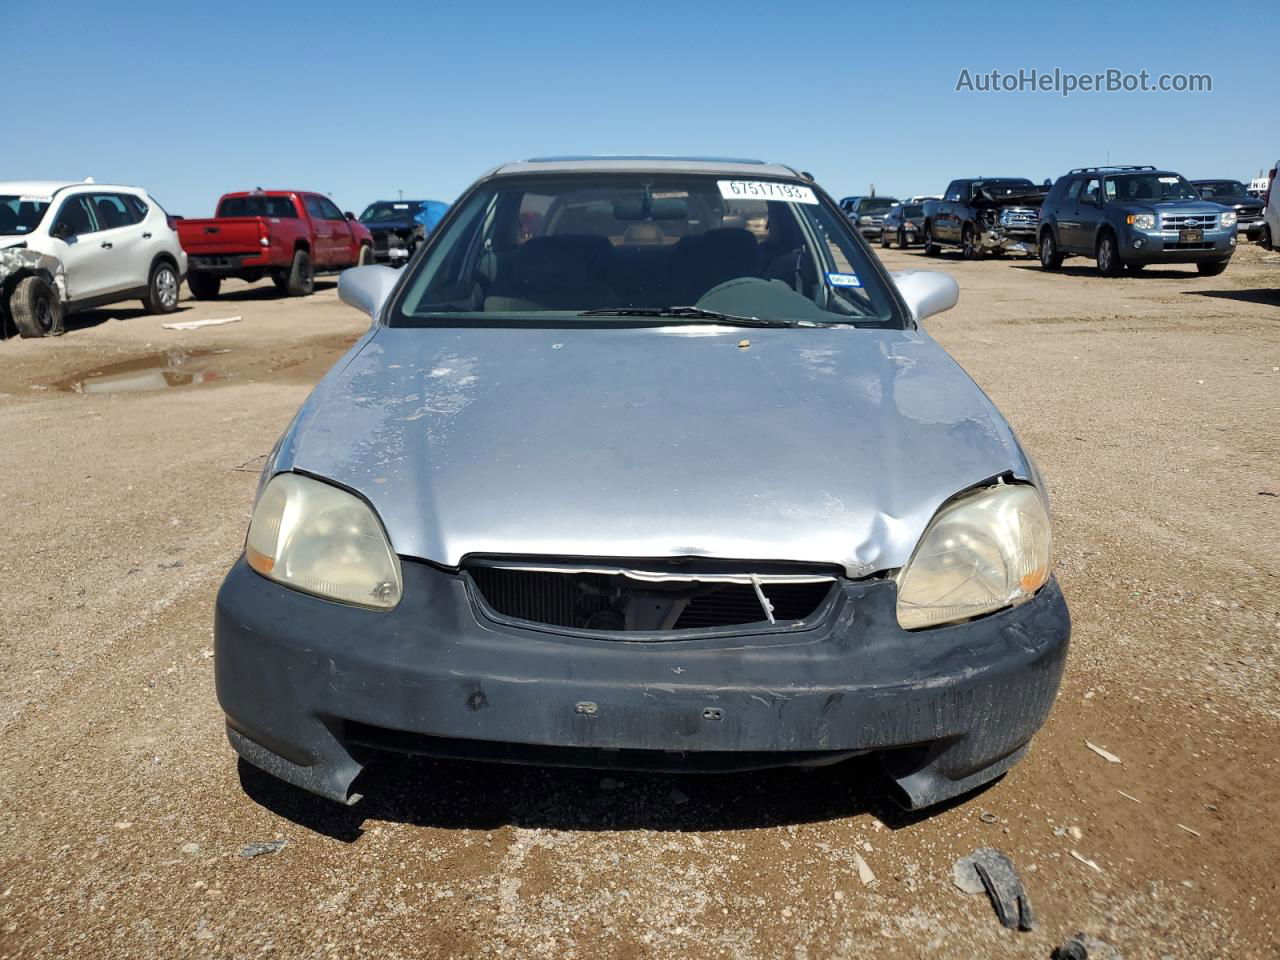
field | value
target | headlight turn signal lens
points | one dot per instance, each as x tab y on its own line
982	552
316	538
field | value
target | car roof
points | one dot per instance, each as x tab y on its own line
47	188
722	166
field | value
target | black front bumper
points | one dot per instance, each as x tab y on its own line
313	690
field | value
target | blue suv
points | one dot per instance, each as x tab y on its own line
1131	217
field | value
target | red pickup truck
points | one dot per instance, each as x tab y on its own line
287	235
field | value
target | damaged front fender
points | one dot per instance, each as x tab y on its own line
18	263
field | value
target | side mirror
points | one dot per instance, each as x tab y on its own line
61	231
367	288
926	291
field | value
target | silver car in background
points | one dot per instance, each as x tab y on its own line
644	463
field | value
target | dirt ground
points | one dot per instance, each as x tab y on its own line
1151	404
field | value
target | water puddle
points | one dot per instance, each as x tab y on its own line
158	371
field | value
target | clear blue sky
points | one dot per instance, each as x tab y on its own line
361	99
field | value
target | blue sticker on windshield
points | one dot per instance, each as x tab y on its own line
843	280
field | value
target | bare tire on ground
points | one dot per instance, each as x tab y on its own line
902	239
302	279
884	237
930	248
1211	268
203	286
162	289
36	309
1108	256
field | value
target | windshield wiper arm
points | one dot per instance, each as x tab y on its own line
697	313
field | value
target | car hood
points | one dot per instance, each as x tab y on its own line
1173	206
827	446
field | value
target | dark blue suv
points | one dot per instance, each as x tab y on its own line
1131	217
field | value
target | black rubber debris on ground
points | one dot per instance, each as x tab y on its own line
990	870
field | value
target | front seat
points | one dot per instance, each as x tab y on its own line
701	263
553	273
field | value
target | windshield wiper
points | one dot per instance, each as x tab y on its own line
697	313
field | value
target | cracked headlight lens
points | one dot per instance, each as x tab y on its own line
322	540
982	552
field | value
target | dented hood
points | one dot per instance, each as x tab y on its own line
830	445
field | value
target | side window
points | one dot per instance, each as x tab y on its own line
1090	192
314	208
138	206
1073	192
331	211
76	215
958	190
113	211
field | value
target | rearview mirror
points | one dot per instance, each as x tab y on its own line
367	288
927	292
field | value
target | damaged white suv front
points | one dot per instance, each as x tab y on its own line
67	247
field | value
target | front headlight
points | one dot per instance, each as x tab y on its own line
864	219
1143	221
319	539
1229	218
987	550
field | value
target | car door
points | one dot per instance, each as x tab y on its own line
1088	215
75	241
322	232
120	234
948	225
343	251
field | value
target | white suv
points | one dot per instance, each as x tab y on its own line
66	247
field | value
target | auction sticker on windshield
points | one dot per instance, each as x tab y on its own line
766	190
843	280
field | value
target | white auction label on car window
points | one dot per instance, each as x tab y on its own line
766	190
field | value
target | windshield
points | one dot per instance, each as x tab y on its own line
1150	187
387	210
876	204
566	245
1221	188
20	215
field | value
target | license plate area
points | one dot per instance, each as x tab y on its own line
1191	235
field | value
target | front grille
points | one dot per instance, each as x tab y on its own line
1248	216
1184	221
618	603
1019	216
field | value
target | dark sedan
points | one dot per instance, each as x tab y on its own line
1234	194
904	225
